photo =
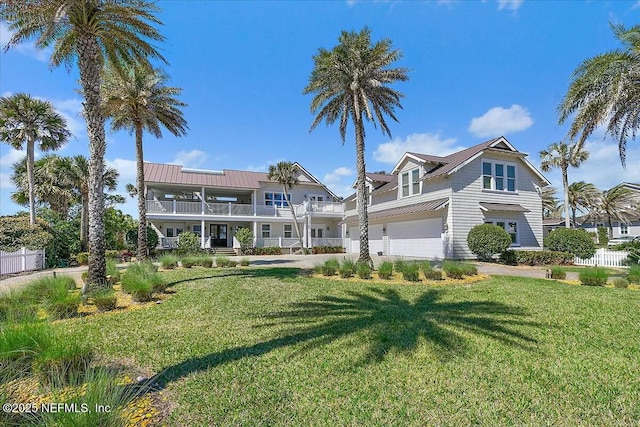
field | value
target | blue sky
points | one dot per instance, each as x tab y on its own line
477	70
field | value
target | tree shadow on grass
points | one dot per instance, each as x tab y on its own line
383	321
217	273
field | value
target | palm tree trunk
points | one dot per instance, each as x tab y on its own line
31	179
361	198
295	219
142	208
565	183
89	65
84	221
573	216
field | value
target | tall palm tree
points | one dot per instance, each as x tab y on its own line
582	196
138	100
605	89
351	81
284	173
89	32
618	203
25	122
549	202
561	155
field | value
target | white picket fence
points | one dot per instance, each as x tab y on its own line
604	258
21	260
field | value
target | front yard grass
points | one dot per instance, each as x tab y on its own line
270	347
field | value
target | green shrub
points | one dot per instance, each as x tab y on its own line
131	239
83	258
621	283
425	266
168	261
596	276
399	265
411	272
188	262
468	269
558	273
327	250
245	238
432	274
269	250
223	261
112	255
204	261
105	299
385	270
16	232
633	275
543	257
345	271
112	271
140	280
363	270
575	241
62	363
603	236
188	243
330	267
244	262
486	240
508	257
349	264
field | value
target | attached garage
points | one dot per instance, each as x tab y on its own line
375	239
419	238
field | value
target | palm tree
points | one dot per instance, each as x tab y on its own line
582	196
284	173
605	90
618	203
549	202
351	81
25	121
89	32
138	100
561	155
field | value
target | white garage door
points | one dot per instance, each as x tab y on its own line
420	238
375	238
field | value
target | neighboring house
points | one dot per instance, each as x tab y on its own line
428	204
215	204
550	224
631	228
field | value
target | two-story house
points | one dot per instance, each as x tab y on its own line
215	204
428	204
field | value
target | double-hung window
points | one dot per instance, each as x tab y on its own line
410	182
288	228
510	227
279	200
498	176
624	228
266	230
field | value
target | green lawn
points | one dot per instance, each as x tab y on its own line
266	347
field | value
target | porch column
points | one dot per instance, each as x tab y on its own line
174	205
202	239
202	197
255	204
305	234
255	233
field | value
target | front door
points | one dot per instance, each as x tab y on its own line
218	235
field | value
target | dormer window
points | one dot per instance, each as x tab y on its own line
498	176
410	183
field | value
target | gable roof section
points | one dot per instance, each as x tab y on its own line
450	164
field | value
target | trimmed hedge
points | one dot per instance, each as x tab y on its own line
327	250
577	242
486	240
536	258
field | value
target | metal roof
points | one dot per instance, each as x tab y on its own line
432	205
502	207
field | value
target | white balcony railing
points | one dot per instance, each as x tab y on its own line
239	209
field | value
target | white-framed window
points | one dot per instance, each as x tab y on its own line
410	183
266	230
498	176
287	230
197	229
173	231
317	231
279	200
624	228
510	225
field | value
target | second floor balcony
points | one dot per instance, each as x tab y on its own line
178	207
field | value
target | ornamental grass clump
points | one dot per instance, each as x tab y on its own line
62	363
385	270
330	267
363	270
22	341
244	262
188	261
168	261
453	269
104	299
621	283
140	280
633	276
433	274
411	272
596	276
346	269
204	261
59	301
112	272
223	261
558	273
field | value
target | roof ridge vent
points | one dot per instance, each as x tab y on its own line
207	171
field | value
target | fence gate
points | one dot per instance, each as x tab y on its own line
21	260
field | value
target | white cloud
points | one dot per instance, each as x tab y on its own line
603	168
265	166
71	110
27	48
190	159
127	170
5	181
500	121
424	143
509	4
11	157
339	181
337	174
